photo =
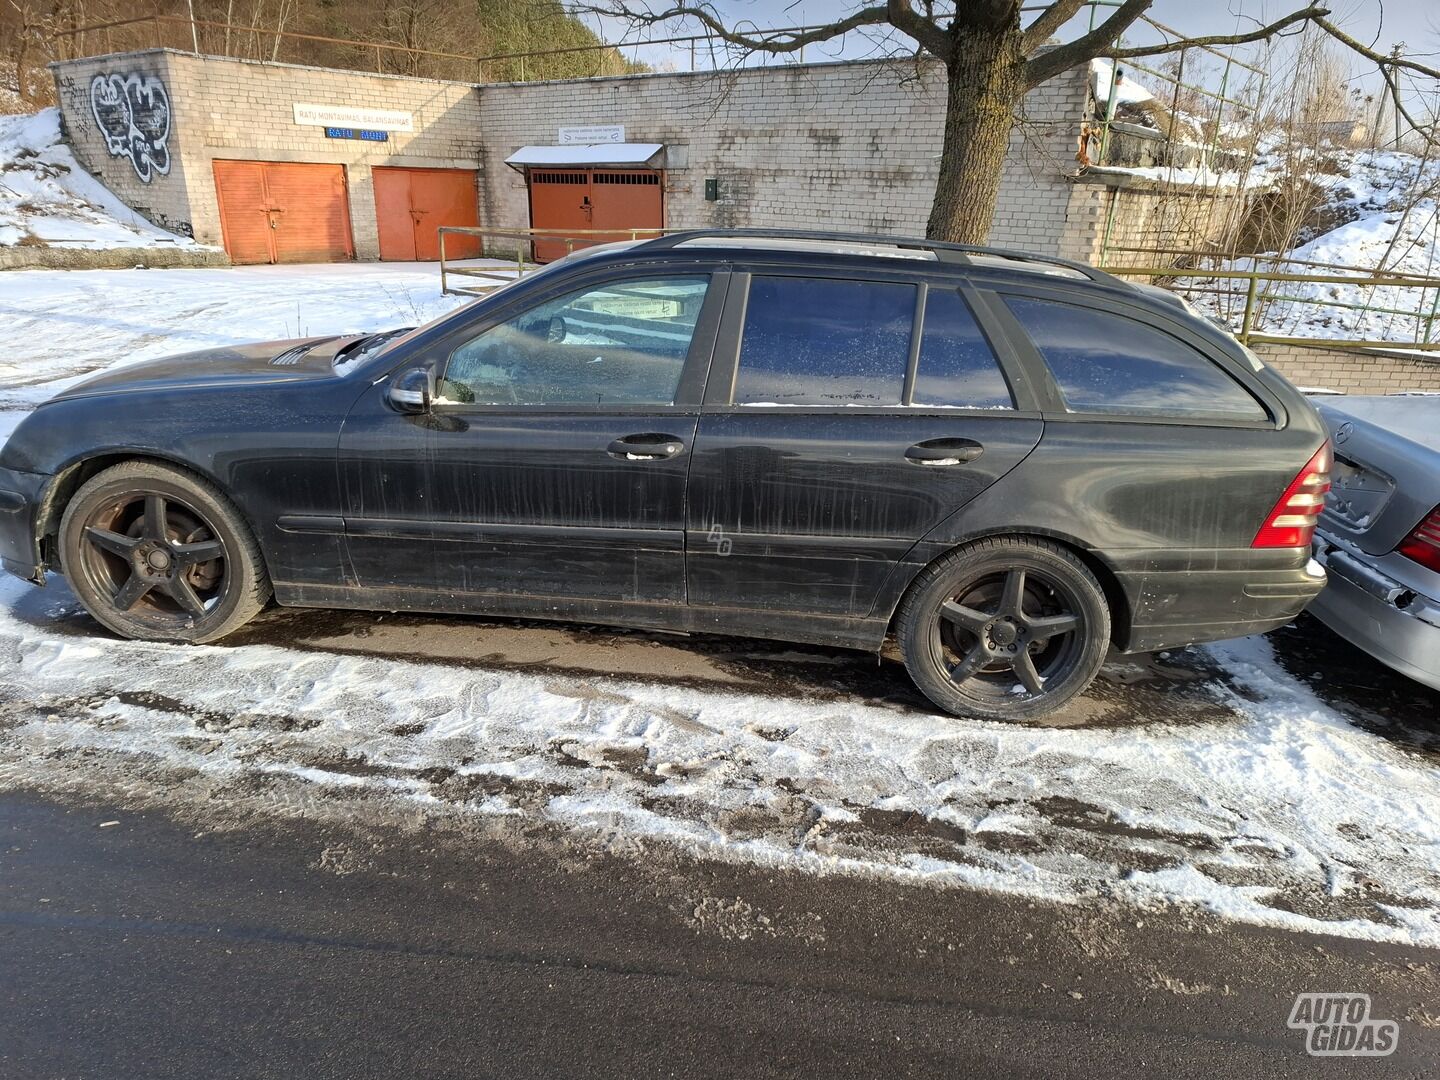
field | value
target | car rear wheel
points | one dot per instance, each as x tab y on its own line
1004	629
158	554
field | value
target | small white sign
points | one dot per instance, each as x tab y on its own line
589	136
344	116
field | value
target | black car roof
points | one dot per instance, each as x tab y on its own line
861	249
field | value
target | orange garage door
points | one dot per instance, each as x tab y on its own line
412	204
571	199
281	212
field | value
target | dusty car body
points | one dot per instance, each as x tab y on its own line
1379	536
1007	462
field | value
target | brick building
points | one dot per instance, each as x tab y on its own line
278	162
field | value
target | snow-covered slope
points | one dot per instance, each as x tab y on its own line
1387	204
47	199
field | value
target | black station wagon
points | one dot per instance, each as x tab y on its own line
1008	462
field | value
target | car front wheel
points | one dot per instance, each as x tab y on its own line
1004	629
158	554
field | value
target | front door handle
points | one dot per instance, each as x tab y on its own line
650	446
944	452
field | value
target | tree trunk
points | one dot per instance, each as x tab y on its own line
985	87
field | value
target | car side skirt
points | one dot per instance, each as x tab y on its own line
867	634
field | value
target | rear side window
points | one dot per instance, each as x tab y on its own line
1105	362
824	341
957	366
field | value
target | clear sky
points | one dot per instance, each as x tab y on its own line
1376	23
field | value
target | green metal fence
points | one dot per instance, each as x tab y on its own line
1249	299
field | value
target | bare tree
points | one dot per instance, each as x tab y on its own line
992	58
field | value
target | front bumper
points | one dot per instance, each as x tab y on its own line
20	498
1392	622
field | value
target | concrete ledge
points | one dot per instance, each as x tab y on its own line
1352	371
153	258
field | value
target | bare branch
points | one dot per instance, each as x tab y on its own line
1050	20
905	19
1047	65
1392	86
709	18
1260	33
1370	54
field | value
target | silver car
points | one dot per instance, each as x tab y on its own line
1379	536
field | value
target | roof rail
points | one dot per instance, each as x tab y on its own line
944	251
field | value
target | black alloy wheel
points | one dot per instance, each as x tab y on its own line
166	559
1005	629
159	554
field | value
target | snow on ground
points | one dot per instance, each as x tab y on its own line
1272	808
75	323
1278	811
46	198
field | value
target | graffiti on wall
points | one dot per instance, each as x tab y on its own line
132	112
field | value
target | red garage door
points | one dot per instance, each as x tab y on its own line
572	199
412	204
281	212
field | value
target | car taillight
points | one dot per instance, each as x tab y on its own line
1423	545
1291	523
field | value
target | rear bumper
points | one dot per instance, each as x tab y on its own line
1393	623
20	496
1170	610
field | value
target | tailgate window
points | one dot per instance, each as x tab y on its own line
1105	362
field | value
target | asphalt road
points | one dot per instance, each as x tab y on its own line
151	948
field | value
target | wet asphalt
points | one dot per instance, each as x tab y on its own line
148	948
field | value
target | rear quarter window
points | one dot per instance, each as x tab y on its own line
1105	362
957	367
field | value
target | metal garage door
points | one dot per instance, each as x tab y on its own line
274	212
571	199
412	204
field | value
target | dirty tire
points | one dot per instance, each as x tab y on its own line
1004	629
156	553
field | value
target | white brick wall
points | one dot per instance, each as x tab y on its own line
851	146
165	197
244	110
829	146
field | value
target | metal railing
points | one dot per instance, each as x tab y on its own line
1259	294
192	28
493	276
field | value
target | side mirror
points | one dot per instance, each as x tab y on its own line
412	391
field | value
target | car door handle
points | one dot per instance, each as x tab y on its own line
944	452
647	447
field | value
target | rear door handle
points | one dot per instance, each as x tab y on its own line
944	452
649	446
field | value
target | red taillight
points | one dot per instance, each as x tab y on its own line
1292	523
1423	545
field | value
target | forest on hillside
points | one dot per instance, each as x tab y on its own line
399	37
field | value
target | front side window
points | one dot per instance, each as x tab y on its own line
1104	362
824	341
620	343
